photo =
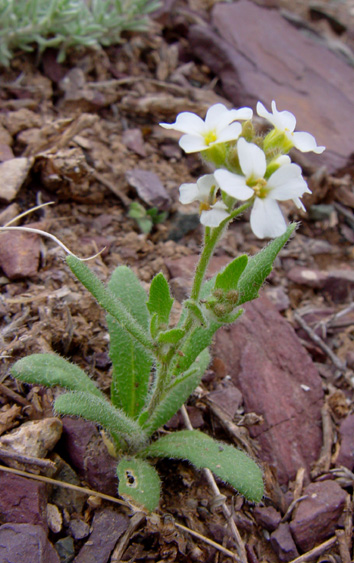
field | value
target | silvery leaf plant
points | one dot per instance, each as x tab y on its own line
156	367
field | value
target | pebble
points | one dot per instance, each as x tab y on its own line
13	173
283	544
149	188
26	543
346	451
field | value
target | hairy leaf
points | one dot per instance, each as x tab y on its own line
132	363
160	300
226	462
228	278
171	336
260	266
139	482
102	412
50	370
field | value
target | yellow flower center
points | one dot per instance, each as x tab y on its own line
260	187
210	137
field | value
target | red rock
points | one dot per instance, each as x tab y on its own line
316	518
267	517
22	501
133	139
107	527
257	54
89	455
310	277
185	267
19	254
149	188
346	452
228	397
283	544
339	285
5	152
269	365
25	543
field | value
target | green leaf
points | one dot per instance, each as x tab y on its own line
228	279
171	336
145	224
109	302
160	300
50	370
96	409
139	482
132	363
225	461
198	341
196	310
260	266
176	395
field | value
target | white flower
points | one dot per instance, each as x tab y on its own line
218	127
212	212
285	121
285	183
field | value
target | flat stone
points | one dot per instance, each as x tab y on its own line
89	456
346	451
107	527
13	173
25	543
22	500
283	544
267	517
149	188
310	277
19	254
339	285
316	518
34	438
133	140
228	397
279	381
257	54
16	121
79	529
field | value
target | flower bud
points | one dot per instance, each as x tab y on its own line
232	296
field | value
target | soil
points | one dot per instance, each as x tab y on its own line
84	133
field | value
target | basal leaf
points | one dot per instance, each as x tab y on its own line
139	482
50	370
260	266
226	462
160	300
132	363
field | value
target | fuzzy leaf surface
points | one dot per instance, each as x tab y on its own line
78	403
139	482
198	341
259	267
171	336
50	370
177	394
132	363
160	300
228	278
225	461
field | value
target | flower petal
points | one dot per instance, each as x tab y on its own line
205	184
233	184
186	122
297	201
229	133
279	119
305	142
192	143
188	193
267	220
218	117
252	159
242	114
214	216
287	183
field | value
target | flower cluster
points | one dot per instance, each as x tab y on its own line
249	168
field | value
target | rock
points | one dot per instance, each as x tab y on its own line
310	277
283	544
339	285
321	212
107	527
228	397
149	188
316	518
183	223
35	438
346	451
6	152
268	364
184	267
133	139
280	62
278	297
54	518
13	173
267	517
65	549
25	543
22	500
79	529
67	499
88	454
19	254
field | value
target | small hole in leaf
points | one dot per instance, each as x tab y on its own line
130	479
